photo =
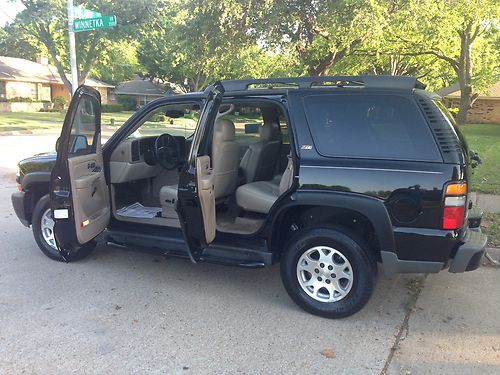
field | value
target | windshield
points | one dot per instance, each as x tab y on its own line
176	120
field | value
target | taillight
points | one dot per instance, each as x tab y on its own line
454	206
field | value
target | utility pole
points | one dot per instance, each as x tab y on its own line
72	48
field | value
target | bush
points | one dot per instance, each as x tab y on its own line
60	102
109	108
127	101
454	112
49	110
20	99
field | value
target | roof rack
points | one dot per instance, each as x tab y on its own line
369	81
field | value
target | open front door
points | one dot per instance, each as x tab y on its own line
196	199
79	194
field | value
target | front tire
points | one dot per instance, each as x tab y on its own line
328	272
43	231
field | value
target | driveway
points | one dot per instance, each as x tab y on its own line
125	312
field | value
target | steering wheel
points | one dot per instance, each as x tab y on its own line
167	151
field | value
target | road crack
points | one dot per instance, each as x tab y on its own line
415	286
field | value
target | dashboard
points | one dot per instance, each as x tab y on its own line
134	159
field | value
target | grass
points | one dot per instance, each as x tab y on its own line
19	121
490	225
485	140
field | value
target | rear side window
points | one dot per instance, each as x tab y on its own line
369	126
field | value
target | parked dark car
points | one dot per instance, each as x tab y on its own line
347	172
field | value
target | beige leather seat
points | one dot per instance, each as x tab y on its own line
259	160
168	200
225	158
259	196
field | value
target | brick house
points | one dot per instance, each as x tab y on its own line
38	82
142	90
486	108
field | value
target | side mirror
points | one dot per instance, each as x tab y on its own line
78	144
252	128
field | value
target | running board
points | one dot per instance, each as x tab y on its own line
222	253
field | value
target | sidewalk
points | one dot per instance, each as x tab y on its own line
488	202
453	328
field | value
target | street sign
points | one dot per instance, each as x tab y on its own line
94	23
82	13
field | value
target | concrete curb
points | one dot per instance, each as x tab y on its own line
30	132
492	257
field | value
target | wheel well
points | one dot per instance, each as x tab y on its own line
34	192
297	218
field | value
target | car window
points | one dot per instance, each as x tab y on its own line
369	126
85	126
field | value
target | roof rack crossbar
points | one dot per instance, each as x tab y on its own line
369	81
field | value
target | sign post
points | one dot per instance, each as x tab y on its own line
72	48
86	20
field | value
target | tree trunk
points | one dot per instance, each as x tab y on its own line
465	105
465	74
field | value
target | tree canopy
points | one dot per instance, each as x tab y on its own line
194	42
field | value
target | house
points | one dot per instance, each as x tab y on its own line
36	82
486	108
142	90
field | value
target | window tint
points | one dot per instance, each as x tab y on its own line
85	128
369	126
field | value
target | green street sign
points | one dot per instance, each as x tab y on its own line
86	24
81	12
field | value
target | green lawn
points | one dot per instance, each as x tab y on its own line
22	121
485	140
490	225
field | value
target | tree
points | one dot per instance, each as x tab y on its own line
321	32
45	22
460	34
199	41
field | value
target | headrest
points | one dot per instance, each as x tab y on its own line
269	131
224	129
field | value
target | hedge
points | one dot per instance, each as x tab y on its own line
108	108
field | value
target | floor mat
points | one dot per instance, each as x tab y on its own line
139	211
240	225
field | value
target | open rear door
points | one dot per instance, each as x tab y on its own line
79	194
196	199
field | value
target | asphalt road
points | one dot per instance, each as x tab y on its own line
120	312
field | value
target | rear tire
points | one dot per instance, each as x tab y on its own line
42	227
328	272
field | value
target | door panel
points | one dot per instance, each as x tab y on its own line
90	196
206	195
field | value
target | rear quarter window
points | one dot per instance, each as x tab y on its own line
369	126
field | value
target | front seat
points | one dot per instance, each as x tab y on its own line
259	196
168	200
259	160
225	158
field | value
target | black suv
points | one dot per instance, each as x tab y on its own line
344	172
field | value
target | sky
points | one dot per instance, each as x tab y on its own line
8	10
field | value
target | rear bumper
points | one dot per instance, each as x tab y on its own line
18	204
468	256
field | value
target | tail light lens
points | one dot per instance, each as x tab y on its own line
454	206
